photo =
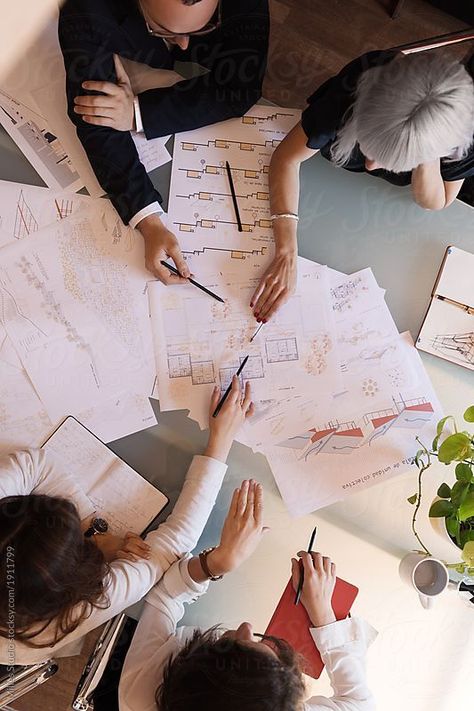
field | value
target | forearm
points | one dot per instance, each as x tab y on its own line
428	186
284	179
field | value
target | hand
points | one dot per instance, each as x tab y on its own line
128	547
162	245
276	286
318	586
242	531
224	427
113	107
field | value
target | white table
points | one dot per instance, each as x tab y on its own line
422	660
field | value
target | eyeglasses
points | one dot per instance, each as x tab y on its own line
163	33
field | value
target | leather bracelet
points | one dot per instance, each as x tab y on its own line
203	560
291	215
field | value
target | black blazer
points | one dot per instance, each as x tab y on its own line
91	31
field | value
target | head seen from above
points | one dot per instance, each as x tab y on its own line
415	109
59	568
177	20
235	672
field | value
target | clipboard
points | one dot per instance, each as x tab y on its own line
447	330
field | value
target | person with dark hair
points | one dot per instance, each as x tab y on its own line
229	39
170	668
58	579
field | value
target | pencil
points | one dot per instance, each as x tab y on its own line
300	584
468	309
256	332
194	283
234	196
229	388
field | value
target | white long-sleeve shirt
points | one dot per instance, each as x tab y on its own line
31	472
342	646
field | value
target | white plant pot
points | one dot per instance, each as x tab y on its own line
439	525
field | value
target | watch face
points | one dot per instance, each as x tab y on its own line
100	525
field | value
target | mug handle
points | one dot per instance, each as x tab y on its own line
426	601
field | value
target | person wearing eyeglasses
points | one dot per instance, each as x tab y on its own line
225	37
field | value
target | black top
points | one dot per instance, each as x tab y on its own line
327	107
91	31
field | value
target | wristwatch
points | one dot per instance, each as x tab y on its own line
203	560
98	525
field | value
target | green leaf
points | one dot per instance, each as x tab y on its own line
454	447
413	499
434	445
452	526
459	493
469	414
463	472
441	424
444	491
441	508
466	510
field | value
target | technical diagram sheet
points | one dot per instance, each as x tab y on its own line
200	342
201	211
25	209
354	447
73	303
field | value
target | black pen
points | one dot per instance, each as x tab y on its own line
226	394
234	196
300	584
194	283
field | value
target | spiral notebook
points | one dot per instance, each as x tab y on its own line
448	327
292	623
122	496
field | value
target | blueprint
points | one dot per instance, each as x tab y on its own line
200	342
201	211
356	445
73	304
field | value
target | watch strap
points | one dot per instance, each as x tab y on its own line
204	565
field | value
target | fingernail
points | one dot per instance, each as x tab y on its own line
264	320
251	304
258	320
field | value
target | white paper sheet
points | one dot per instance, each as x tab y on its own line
200	342
201	209
25	209
75	308
125	499
356	447
152	153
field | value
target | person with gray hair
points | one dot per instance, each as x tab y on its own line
408	119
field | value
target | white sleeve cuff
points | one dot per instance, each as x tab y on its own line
152	209
177	585
338	634
138	116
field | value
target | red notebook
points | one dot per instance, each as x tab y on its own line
291	623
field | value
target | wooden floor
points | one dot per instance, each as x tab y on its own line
310	41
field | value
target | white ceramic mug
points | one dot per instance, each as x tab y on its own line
428	576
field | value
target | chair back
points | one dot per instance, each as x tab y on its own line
24	679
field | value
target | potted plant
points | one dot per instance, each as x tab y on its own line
455	502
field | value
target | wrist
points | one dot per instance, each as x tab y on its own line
150	225
217	448
322	618
218	562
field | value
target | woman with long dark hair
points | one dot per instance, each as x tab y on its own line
57	583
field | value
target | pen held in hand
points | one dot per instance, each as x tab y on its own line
229	388
300	584
192	281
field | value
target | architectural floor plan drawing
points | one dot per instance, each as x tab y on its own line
201	209
200	342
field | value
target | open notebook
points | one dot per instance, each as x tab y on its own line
124	498
448	327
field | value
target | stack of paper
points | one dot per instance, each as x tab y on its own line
74	323
340	395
